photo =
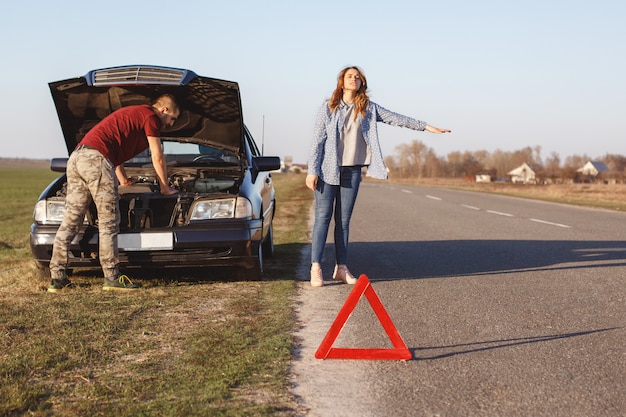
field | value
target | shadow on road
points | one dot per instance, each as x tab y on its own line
441	352
453	258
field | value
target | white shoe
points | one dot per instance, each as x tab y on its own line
343	274
316	277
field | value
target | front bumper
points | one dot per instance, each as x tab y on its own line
233	246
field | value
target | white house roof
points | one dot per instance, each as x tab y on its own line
522	171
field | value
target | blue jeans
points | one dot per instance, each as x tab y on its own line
337	199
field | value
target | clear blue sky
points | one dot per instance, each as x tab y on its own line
500	74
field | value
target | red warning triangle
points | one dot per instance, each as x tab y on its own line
400	350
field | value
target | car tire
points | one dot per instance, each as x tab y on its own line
268	243
254	274
251	274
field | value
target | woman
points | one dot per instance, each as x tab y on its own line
346	140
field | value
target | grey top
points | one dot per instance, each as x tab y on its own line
351	148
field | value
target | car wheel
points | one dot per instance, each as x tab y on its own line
251	274
256	272
268	243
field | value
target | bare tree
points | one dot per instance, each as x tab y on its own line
434	166
471	166
455	165
553	167
571	166
416	160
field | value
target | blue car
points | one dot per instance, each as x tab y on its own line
223	213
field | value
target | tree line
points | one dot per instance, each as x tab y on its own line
416	160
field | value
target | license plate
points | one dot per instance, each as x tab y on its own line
145	241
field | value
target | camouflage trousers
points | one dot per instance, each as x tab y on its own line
90	177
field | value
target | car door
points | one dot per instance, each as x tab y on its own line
263	183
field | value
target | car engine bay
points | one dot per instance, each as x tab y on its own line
142	206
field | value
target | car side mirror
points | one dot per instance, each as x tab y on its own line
264	164
58	164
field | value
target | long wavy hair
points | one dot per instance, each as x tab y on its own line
361	99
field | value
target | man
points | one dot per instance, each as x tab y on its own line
94	170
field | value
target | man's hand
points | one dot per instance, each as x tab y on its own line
168	191
158	162
129	182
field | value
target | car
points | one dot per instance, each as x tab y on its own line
223	212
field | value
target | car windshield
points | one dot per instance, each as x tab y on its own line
184	153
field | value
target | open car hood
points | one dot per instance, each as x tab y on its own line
210	108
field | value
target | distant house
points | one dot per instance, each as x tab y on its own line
486	175
593	168
483	178
298	168
523	174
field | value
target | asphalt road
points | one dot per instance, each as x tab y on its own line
510	307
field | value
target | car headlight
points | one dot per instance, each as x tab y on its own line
49	211
230	208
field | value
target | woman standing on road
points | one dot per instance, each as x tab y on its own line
346	140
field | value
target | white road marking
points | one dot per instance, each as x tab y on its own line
550	223
499	213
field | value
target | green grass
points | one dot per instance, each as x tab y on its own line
19	190
190	343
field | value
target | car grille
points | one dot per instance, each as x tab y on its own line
138	75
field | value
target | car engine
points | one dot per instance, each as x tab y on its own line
142	206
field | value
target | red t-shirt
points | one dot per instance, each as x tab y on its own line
123	133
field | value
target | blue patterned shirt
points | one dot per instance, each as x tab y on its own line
323	160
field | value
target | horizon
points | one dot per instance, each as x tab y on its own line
496	74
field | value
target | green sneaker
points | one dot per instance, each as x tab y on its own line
122	283
57	285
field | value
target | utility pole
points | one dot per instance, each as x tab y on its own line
263	137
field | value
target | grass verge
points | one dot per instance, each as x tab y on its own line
190	343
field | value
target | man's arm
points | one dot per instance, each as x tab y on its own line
158	161
120	173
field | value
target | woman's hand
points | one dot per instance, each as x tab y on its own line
311	181
433	129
